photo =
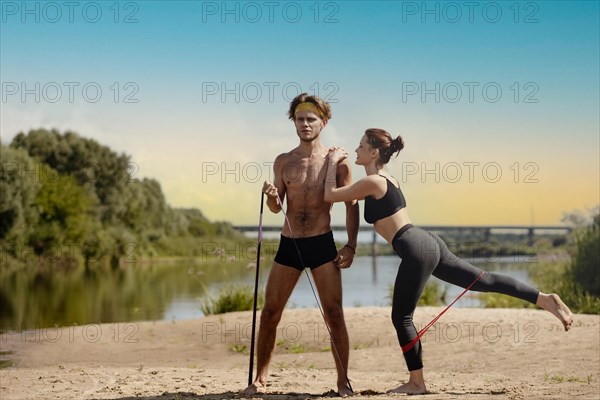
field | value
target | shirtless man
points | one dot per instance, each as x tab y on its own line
300	174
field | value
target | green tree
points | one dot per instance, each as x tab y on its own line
83	192
65	213
90	163
19	184
193	222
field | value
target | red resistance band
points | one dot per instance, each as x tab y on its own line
410	345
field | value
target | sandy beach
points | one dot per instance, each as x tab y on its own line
468	354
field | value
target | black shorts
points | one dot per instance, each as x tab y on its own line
315	251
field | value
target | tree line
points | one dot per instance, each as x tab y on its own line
67	198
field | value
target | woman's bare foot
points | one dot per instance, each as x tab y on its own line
553	304
415	384
409	388
256	387
344	390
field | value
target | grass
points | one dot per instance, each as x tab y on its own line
497	300
297	348
364	345
231	298
432	295
292	347
239	348
561	378
555	278
549	277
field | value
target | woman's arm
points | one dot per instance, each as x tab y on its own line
357	191
344	178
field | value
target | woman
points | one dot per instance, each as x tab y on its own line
423	253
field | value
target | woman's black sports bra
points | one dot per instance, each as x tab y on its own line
389	204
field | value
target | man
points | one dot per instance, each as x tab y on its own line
300	175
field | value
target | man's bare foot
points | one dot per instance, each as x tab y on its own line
553	304
256	387
409	388
344	390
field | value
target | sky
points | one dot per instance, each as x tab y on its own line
497	101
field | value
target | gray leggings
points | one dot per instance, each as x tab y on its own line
424	254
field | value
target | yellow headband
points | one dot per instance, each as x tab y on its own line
307	106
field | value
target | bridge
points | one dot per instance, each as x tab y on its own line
485	231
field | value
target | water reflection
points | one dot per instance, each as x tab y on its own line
38	298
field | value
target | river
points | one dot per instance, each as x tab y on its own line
47	297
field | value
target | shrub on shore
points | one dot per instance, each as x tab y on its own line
231	298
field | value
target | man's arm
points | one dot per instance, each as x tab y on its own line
278	185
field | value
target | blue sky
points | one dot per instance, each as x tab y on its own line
371	60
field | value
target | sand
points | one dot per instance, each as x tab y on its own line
468	354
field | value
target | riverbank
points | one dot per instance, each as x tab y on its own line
469	354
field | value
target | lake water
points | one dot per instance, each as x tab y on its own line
48	297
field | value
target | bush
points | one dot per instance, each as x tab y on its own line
578	300
231	298
432	295
497	300
577	283
585	269
557	278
